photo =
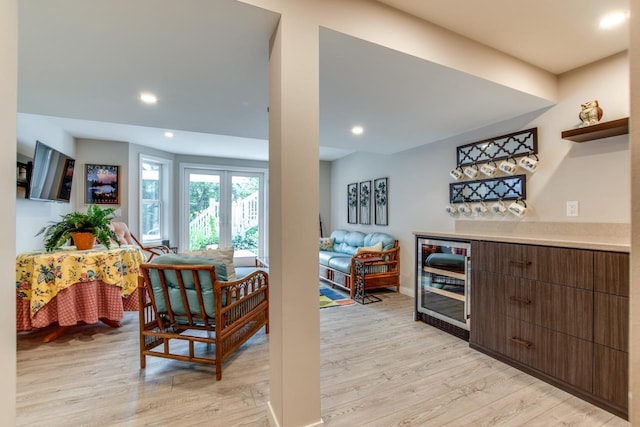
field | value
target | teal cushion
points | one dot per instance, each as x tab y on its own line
341	263
245	271
347	242
345	248
355	238
177	259
387	241
339	236
171	278
325	256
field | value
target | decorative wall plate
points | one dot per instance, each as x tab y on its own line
488	190
514	144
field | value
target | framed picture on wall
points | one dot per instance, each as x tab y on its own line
352	203
381	195
102	184
365	202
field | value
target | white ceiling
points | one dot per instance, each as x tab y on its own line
555	35
83	64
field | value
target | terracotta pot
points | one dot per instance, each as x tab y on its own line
83	241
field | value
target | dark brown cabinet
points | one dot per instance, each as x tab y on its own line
611	327
488	296
611	273
561	308
610	375
557	313
610	321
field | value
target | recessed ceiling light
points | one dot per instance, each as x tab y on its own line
168	134
613	19
148	98
357	130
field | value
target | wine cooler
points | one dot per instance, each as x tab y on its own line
443	284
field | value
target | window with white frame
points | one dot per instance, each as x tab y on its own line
224	207
152	218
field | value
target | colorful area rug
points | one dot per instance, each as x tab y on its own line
332	298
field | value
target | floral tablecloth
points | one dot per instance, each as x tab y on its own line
40	275
87	302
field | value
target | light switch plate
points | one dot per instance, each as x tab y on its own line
572	208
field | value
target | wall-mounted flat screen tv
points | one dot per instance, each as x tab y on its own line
52	174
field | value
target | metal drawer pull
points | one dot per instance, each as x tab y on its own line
523	343
519	262
520	300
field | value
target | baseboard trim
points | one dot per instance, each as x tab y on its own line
273	420
410	292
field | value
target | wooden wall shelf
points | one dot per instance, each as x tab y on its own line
598	131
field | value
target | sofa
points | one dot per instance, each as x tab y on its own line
339	252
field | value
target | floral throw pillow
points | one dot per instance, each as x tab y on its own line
326	243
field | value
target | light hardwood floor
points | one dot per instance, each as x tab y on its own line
379	368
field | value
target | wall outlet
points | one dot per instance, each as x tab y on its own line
572	208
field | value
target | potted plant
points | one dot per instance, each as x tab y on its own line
94	224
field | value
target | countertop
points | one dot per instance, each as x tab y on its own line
604	237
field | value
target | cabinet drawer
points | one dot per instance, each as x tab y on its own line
570	267
501	258
567	358
529	344
611	321
560	308
611	273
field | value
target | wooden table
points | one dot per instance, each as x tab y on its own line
70	286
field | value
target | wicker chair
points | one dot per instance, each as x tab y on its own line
185	303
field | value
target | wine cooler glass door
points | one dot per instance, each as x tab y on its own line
443	272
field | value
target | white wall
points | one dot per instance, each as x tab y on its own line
32	215
133	205
221	161
102	152
325	196
595	173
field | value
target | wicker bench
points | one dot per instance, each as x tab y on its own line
186	303
337	265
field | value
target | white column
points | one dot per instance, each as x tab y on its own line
634	144
8	102
294	342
